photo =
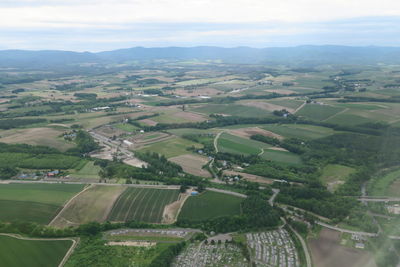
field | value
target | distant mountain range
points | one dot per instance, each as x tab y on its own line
299	55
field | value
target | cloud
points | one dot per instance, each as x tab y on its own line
109	24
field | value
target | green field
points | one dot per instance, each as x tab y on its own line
233	110
34	202
89	170
281	156
303	131
142	204
335	174
209	205
126	127
318	112
171	148
238	145
33	253
386	185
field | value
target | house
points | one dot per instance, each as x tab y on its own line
360	245
53	173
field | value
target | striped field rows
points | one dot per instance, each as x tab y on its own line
142	204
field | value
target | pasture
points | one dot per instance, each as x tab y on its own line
210	205
385	185
142	204
281	156
238	145
233	110
17	252
93	204
172	147
88	171
303	131
34	202
37	136
334	175
192	164
318	112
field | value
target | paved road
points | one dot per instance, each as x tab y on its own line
380	199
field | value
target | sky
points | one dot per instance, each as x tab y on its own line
99	25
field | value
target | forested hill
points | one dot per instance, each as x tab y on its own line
300	55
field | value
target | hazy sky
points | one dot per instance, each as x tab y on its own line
95	25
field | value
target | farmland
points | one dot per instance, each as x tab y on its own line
327	252
210	205
385	185
234	144
142	204
34	202
335	174
35	253
299	130
281	156
170	148
233	110
318	112
93	204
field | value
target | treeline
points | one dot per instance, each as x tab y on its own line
317	199
85	143
159	164
256	213
15	123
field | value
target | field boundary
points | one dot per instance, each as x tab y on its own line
69	202
75	242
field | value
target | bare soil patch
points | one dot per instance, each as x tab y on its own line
247	132
326	252
37	136
280	91
172	210
132	243
251	177
94	204
190	116
192	164
149	122
264	105
109	131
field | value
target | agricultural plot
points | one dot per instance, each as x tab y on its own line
142	204
237	145
149	235
192	164
209	255
34	202
93	204
209	205
274	248
37	136
171	148
88	171
326	252
17	252
288	103
318	112
233	110
299	130
281	156
335	174
387	185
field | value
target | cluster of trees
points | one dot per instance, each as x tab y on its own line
256	213
15	123
165	258
86	95
13	156
85	143
317	199
159	164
